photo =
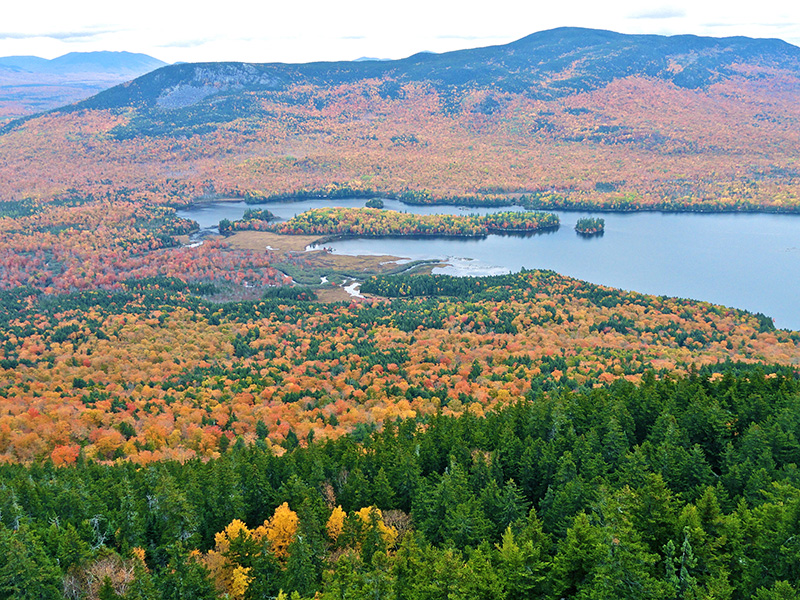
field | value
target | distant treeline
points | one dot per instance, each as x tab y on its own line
337	191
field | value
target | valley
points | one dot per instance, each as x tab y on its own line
329	330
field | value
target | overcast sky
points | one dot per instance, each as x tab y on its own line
307	30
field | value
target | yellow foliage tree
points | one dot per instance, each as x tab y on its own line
335	523
228	577
231	578
138	553
281	529
389	534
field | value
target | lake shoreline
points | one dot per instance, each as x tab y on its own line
425	236
747	260
209	200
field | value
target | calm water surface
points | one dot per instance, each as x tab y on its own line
749	261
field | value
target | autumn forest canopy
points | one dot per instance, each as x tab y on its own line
179	419
525	435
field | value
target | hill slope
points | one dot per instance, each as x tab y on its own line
573	117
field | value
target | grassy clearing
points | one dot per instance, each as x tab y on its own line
262	240
334	294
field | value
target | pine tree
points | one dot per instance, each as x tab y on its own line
782	590
184	578
577	557
679	568
480	578
300	575
26	572
382	491
522	566
142	587
107	592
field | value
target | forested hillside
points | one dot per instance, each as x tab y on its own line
678	488
155	370
569	117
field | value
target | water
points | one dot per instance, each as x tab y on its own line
209	215
749	261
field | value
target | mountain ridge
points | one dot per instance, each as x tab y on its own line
113	61
601	56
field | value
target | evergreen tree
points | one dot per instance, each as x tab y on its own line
107	592
480	578
577	557
142	587
26	572
679	568
782	590
66	546
301	575
382	492
356	493
522	567
183	578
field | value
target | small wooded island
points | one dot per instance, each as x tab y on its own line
253	219
590	226
372	222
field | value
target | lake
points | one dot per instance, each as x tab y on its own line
749	261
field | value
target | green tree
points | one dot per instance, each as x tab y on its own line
26	572
577	557
183	578
679	569
480	579
302	573
382	491
356	492
142	587
522	567
782	590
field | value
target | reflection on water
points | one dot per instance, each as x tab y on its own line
742	260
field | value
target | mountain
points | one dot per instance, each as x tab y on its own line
105	62
23	63
31	84
571	117
544	65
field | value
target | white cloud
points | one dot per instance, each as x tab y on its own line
664	12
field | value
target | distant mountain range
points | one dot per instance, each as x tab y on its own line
30	84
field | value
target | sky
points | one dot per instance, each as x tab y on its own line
310	30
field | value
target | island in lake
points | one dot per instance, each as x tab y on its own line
374	222
590	226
